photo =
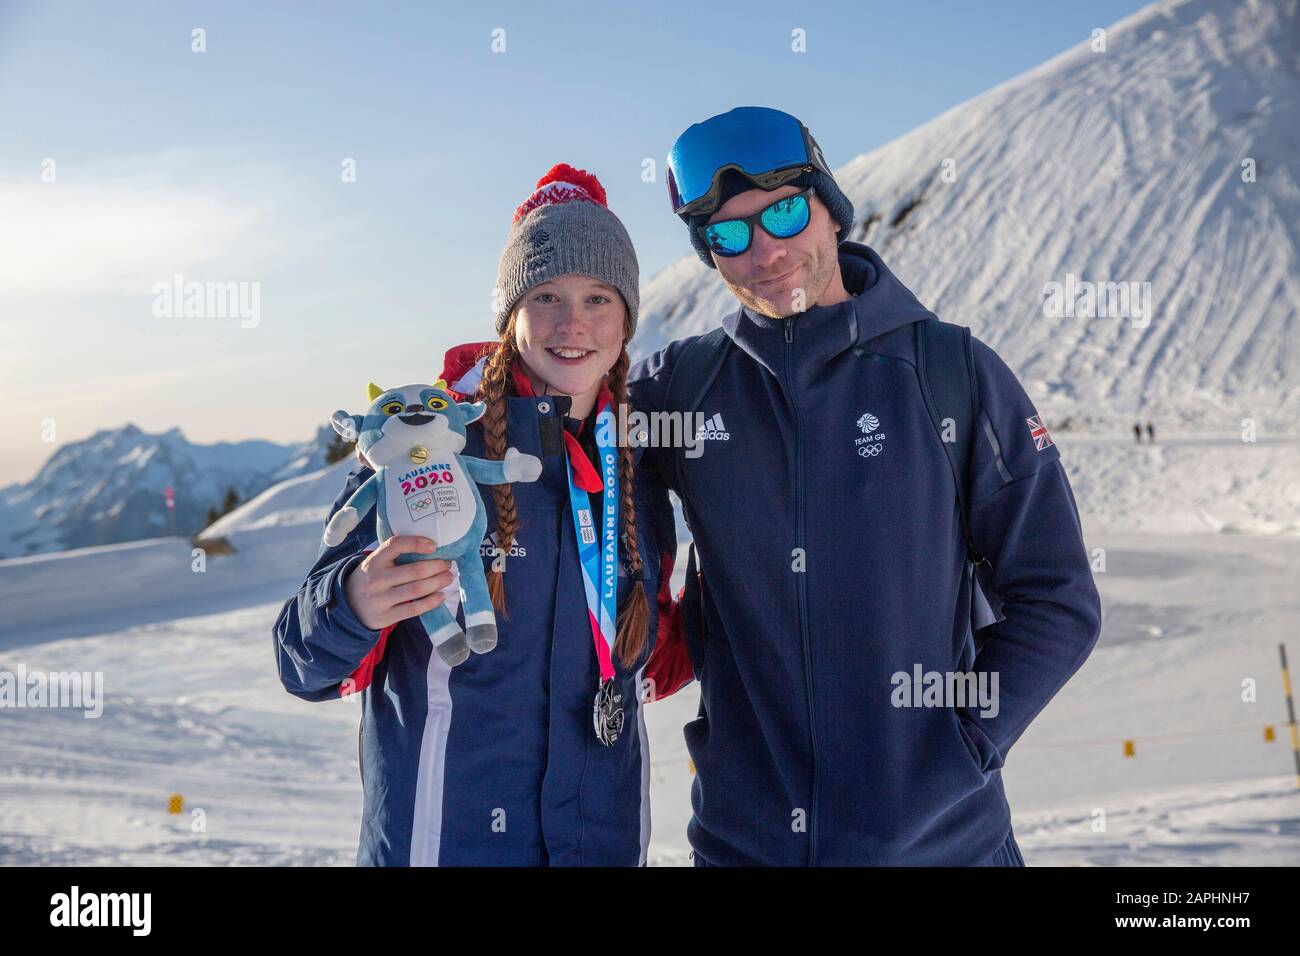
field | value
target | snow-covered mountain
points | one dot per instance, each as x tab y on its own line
1127	165
305	457
110	487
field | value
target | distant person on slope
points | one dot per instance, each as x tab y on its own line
836	548
534	754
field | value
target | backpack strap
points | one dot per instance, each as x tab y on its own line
947	370
693	374
693	615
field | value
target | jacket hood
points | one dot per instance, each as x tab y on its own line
462	366
881	303
462	369
878	303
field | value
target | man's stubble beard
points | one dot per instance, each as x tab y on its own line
814	290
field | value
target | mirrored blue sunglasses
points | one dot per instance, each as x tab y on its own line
783	219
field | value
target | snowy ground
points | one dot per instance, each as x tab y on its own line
194	706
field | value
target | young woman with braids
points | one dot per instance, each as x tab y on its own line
534	753
586	320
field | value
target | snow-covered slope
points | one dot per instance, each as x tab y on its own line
110	487
1116	166
1186	485
275	537
295	507
306	457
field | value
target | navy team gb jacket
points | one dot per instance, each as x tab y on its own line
827	571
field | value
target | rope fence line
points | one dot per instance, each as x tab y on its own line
1130	743
1269	734
1268	731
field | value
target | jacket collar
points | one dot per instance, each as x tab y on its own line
524	388
878	303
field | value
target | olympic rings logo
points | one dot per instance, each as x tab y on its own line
869	451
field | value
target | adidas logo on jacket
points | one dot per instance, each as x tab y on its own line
713	430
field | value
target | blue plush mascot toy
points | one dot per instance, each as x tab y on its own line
412	437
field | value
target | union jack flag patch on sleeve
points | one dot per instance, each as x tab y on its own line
1038	432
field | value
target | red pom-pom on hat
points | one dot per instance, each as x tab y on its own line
563	183
564	173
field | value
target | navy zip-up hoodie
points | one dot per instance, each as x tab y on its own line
826	520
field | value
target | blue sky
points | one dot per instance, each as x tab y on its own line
225	166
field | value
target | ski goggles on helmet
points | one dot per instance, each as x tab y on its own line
786	217
767	146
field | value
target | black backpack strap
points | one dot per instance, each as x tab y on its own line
693	615
692	376
947	370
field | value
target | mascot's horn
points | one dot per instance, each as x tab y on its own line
373	391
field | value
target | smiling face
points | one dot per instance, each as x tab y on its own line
570	332
767	277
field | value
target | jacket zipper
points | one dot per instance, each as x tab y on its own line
802	590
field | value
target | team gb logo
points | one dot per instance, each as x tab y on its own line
870	445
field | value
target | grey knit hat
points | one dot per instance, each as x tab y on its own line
564	227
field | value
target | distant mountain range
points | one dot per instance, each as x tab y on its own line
111	487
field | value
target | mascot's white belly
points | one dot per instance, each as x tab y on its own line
434	499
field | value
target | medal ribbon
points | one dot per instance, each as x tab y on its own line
597	537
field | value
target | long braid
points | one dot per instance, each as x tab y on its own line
495	389
635	618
